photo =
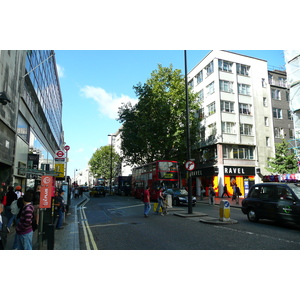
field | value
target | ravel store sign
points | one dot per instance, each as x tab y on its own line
46	191
239	171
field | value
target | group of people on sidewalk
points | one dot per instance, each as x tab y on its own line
22	211
235	196
162	203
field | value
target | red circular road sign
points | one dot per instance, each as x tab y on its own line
60	153
67	148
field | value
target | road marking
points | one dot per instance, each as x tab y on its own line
126	207
257	234
86	228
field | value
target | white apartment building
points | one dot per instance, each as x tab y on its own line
236	124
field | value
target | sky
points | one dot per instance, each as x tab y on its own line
95	83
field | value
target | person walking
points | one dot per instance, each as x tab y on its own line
238	193
147	205
24	230
225	191
3	228
60	208
10	197
160	200
212	195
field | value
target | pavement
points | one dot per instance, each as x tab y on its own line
68	238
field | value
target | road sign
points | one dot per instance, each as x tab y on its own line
190	165
60	154
67	148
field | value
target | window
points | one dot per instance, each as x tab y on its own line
191	83
212	129
242	69
209	68
266	121
282	82
226	86
244	89
199	77
23	128
210	88
227	106
290	115
201	113
278	132
275	94
238	152
265	102
245	109
211	108
228	127
277	113
267	141
225	66
246	129
201	95
291	133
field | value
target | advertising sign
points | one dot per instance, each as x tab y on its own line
46	191
60	168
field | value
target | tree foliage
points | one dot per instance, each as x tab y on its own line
154	128
101	162
285	160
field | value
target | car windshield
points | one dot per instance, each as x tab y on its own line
296	188
181	192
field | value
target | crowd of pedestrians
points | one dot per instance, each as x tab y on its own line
21	210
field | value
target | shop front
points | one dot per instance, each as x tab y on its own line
243	177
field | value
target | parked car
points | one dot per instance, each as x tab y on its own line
274	201
179	196
97	191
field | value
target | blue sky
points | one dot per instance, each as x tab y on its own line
94	83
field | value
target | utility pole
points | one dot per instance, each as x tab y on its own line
188	137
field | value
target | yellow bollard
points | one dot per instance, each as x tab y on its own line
224	210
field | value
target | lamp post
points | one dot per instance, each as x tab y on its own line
188	137
111	138
74	176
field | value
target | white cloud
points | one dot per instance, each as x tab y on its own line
60	71
79	150
108	103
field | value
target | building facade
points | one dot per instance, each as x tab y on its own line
237	119
33	119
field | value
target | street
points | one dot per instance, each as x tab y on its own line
118	223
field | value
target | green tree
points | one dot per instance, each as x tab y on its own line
285	160
101	162
154	128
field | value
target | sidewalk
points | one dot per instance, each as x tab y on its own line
65	239
219	199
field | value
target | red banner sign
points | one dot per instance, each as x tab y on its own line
46	191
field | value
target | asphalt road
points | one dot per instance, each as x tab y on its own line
118	223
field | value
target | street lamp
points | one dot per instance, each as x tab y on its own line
111	138
74	176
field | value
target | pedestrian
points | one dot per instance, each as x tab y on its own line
24	230
225	191
238	194
147	205
212	195
60	209
234	192
3	228
18	191
202	192
76	193
160	200
10	197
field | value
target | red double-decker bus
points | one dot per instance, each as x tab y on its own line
161	173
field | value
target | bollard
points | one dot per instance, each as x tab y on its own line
224	210
169	201
50	237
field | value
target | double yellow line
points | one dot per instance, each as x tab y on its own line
88	236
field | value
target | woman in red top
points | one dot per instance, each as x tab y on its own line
147	206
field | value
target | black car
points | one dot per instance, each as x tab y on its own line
179	196
97	191
274	201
